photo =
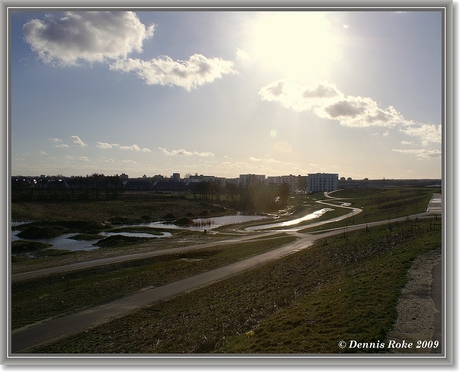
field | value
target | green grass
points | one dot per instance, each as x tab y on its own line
304	303
139	207
380	204
37	299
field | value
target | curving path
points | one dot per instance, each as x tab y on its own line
50	330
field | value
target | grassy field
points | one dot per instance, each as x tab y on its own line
343	287
304	303
380	204
138	206
37	299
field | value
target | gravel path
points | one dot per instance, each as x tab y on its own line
419	306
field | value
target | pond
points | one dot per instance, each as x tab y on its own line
66	243
200	224
296	221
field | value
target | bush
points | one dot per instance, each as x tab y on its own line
21	246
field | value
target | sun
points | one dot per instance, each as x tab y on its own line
298	43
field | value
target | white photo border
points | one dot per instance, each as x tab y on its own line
448	183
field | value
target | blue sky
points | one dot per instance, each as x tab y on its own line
223	93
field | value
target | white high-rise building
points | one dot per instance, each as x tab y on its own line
318	182
291	180
248	179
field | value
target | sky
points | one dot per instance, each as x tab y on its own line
224	93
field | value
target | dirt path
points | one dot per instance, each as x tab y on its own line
420	305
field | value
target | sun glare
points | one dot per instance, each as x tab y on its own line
300	44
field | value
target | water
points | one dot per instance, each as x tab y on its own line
296	221
64	242
208	223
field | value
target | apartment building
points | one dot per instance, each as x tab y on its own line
318	182
248	179
291	180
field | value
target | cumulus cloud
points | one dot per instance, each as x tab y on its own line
91	36
197	71
183	152
242	55
420	153
327	102
252	158
105	145
131	148
134	147
77	141
62	145
55	139
106	36
428	133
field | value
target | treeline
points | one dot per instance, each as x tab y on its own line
94	187
256	197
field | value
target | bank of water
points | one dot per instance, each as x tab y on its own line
65	242
200	224
293	222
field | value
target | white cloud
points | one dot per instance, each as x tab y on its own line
90	36
55	139
407	143
428	133
197	71
43	153
131	148
62	145
183	152
77	141
242	55
327	102
134	147
264	160
420	153
104	145
83	158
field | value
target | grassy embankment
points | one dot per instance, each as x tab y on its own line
339	289
379	204
240	304
37	299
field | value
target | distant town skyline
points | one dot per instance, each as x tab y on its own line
224	93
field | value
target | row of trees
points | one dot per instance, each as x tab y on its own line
256	197
94	187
